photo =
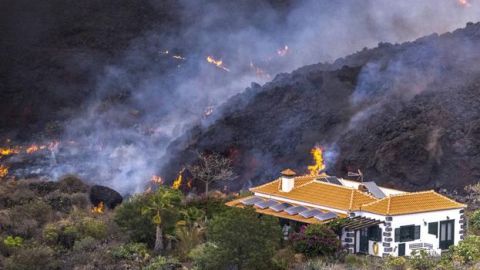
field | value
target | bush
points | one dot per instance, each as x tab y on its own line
239	239
11	241
93	227
467	251
421	260
129	218
72	184
32	258
207	257
284	259
474	221
131	251
86	244
315	240
63	233
396	263
354	262
162	263
59	201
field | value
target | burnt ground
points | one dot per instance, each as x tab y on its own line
406	115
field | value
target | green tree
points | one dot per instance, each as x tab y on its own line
164	199
241	239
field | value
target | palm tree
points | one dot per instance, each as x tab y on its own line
162	200
190	230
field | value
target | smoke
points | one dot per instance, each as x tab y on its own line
147	98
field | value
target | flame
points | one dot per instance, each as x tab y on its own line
3	171
282	51
319	166
8	151
178	182
99	208
464	3
157	180
217	63
34	148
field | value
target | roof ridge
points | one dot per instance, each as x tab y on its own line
406	193
388	205
268	183
351	200
304	184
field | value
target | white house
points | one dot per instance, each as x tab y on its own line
377	221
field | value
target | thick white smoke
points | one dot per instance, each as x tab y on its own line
147	98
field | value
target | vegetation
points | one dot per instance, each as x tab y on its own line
211	168
51	225
316	240
240	239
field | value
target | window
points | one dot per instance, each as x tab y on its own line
407	233
433	228
375	233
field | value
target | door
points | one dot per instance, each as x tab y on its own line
364	241
446	233
401	249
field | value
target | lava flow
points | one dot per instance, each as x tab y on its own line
217	63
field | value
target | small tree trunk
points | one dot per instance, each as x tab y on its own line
158	240
206	202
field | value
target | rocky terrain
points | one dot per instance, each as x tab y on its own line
406	115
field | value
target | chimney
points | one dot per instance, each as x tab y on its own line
287	180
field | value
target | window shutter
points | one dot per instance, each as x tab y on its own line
433	228
417	232
397	235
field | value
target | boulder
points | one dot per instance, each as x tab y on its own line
108	196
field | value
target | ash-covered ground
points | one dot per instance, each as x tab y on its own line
120	91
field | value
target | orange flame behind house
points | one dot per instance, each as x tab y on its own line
3	171
319	166
217	63
178	182
99	208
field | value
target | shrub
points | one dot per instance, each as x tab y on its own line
131	251
129	218
163	263
11	241
396	263
62	233
72	184
354	262
32	258
283	259
59	201
315	240
207	257
474	221
240	239
421	260
93	227
86	244
467	251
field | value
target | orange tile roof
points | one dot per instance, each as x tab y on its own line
415	202
319	193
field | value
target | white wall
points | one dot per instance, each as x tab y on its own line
421	219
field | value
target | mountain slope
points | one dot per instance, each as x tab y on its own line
406	115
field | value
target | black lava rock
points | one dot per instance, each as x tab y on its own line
108	196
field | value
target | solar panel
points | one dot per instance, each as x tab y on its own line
252	201
280	207
310	213
374	190
333	180
293	210
325	216
265	204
